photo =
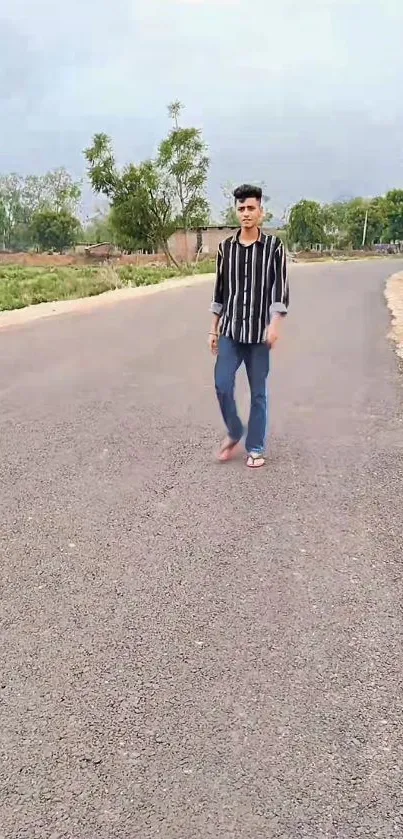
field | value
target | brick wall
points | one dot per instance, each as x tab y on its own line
57	259
213	236
141	259
184	246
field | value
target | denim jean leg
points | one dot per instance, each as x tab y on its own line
228	362
257	362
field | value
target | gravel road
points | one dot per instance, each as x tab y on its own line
192	651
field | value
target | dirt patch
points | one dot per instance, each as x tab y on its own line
17	317
394	297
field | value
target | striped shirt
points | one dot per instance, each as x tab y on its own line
251	284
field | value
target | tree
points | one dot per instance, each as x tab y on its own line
15	214
142	210
54	190
306	225
334	217
230	217
140	197
184	163
60	191
151	200
21	197
54	230
99	228
365	221
3	223
394	214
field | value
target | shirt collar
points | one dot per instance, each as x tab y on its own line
261	239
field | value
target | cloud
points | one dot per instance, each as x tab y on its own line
305	95
207	2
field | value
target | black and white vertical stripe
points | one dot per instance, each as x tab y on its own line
251	285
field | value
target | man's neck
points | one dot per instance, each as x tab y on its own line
247	237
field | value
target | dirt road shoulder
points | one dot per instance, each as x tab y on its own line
394	297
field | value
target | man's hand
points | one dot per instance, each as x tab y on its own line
213	342
273	331
214	334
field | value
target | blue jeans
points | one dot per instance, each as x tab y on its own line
256	360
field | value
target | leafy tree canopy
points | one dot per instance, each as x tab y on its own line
54	230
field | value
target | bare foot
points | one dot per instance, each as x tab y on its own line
229	449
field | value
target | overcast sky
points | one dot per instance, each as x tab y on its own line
303	94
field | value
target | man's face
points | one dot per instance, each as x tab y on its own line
249	213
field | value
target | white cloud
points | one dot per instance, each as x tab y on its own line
296	87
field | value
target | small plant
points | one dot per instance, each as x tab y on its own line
109	276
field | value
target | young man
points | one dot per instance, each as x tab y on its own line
249	302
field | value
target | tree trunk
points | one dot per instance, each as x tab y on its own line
171	259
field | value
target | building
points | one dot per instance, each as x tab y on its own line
186	245
101	250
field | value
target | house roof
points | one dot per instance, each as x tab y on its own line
99	245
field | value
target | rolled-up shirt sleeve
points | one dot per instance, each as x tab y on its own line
280	293
218	296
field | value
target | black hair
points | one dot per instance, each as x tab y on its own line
241	193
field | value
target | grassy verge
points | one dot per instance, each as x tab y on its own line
21	286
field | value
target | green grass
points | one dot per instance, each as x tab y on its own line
23	286
207	266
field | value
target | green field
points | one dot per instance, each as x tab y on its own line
21	286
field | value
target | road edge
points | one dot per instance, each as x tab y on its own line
394	299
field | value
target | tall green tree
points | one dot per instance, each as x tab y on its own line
22	197
55	190
306	226
334	218
16	215
140	196
3	224
394	214
183	161
54	230
365	221
152	199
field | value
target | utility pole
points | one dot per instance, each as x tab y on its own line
364	235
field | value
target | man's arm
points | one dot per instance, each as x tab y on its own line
217	302
280	294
